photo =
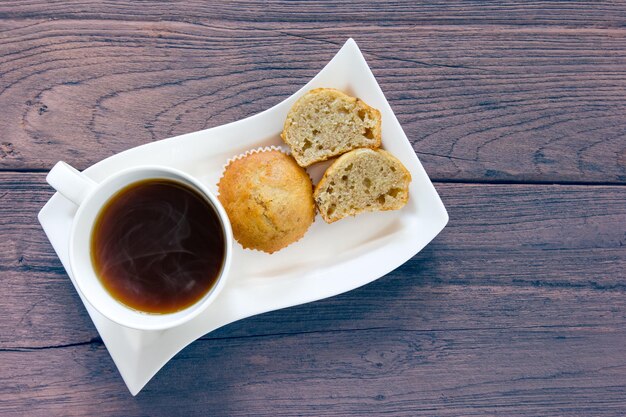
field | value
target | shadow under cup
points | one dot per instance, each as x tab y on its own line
150	248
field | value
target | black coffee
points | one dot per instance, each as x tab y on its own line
158	246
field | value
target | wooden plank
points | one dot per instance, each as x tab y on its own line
563	12
479	103
563	369
560	244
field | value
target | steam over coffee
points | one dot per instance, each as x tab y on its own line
158	246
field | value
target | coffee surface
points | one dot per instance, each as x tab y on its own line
157	246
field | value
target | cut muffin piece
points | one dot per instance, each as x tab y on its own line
326	122
362	180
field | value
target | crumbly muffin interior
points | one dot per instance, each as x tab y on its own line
327	123
363	180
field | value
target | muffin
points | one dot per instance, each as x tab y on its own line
362	180
325	123
268	198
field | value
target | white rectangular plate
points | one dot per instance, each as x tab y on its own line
329	260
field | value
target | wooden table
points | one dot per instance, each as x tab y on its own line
518	113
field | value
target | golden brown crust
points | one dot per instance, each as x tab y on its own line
269	200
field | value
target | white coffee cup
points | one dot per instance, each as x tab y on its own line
90	197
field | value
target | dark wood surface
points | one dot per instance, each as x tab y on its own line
517	111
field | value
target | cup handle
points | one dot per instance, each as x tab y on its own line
71	183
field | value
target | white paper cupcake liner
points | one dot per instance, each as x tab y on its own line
253	151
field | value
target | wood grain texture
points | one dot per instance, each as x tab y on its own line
547	372
340	12
479	102
517	308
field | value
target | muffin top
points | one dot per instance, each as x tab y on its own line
269	200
